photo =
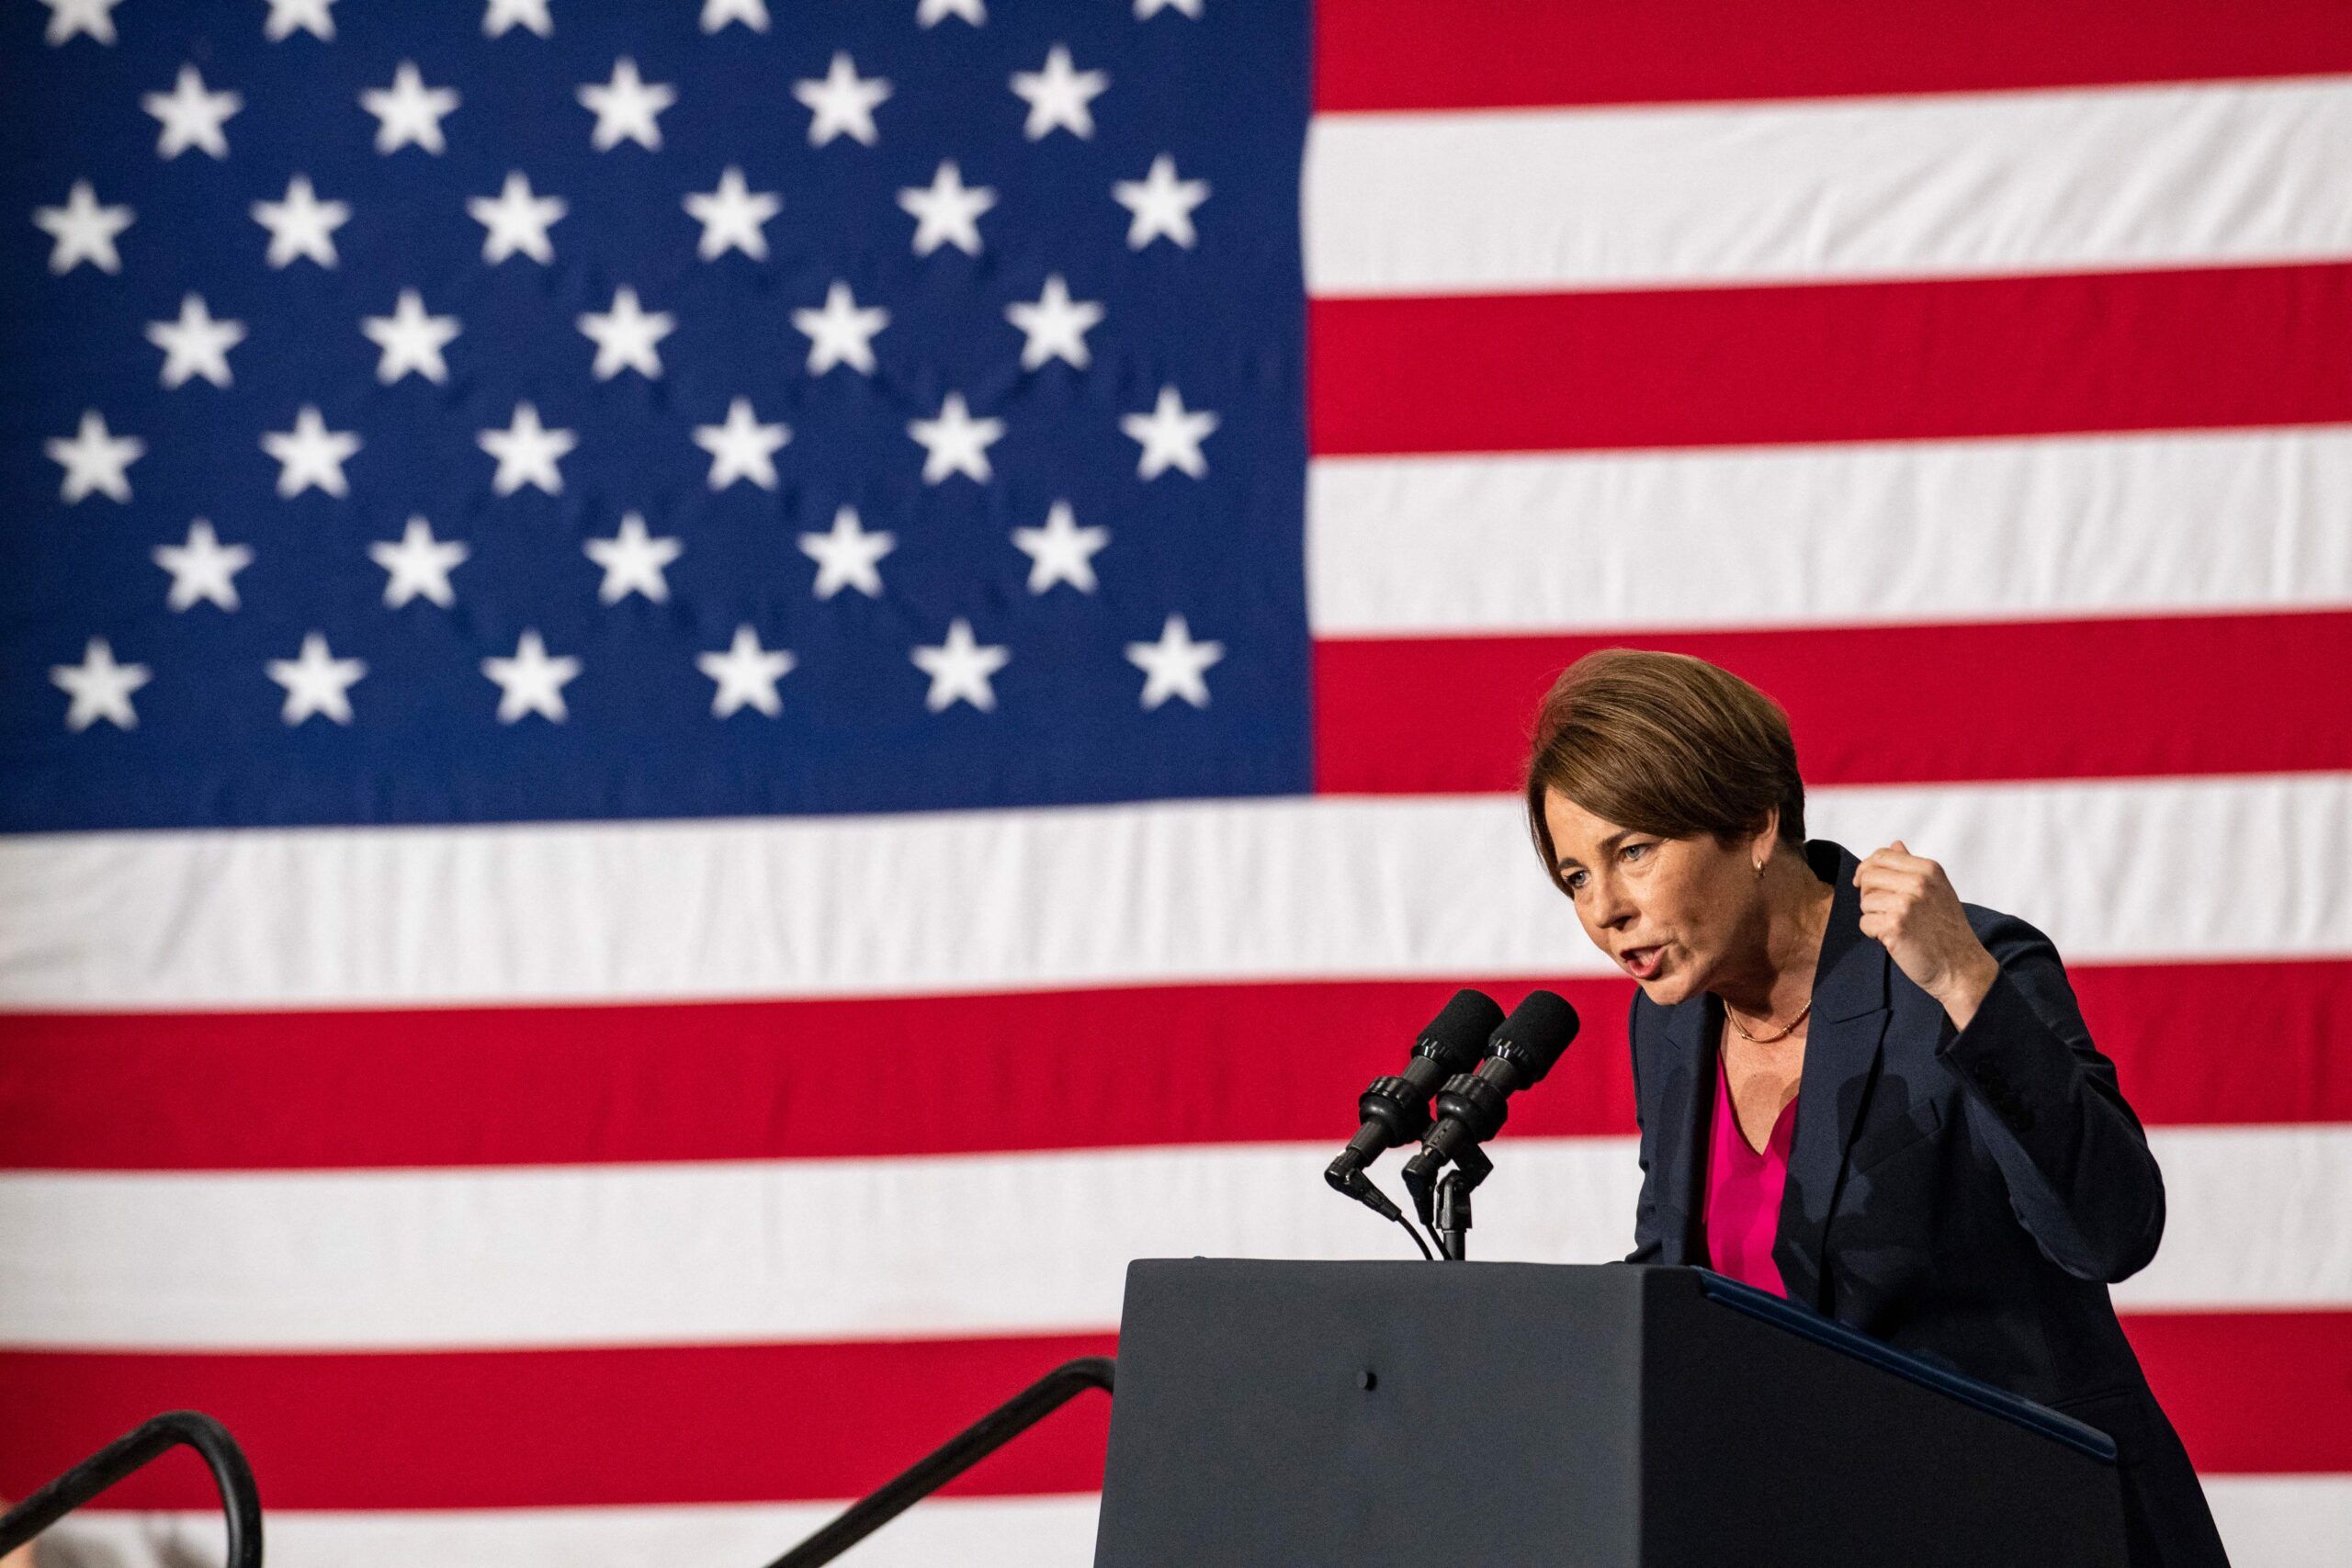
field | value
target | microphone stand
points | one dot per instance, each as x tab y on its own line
1471	1167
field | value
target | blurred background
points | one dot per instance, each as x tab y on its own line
704	701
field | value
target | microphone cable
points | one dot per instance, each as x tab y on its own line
1416	1235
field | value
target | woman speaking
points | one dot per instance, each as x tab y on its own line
1854	1091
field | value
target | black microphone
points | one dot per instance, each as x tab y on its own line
1472	1107
1396	1109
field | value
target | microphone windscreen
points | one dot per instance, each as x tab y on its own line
1536	1033
1457	1036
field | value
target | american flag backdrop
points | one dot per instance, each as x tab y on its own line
701	702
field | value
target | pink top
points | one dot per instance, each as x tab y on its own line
1742	1211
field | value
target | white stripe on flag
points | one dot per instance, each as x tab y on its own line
991	901
1921	531
708	1253
2283	1521
1536	200
825	1250
2253	1217
971	1532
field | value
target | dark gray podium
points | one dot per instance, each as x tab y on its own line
1510	1414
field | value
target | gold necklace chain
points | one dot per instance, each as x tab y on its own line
1765	1039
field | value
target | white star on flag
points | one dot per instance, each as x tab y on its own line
100	688
731	215
845	556
746	674
842	332
841	103
531	683
1172	667
196	344
626	107
286	17
418	566
531	16
94	459
929	13
1146	9
191	117
84	230
959	668
202	568
717	13
955	443
67	17
1162	204
527	453
411	340
1056	325
515	219
1171	435
742	448
317	683
409	113
633	562
1061	551
626	337
310	453
301	225
1058	97
947	211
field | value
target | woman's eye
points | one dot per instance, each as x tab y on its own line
1631	847
1572	880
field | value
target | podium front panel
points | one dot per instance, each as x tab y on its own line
1273	1415
1354	1414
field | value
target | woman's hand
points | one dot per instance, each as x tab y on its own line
1909	906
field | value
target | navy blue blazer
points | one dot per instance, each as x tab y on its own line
1966	1195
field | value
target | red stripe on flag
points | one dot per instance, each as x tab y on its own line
2209	347
2178	1034
525	1428
2142	696
1444	54
2260	1393
746	1080
762	1080
2264	1394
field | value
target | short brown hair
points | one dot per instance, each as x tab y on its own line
1663	743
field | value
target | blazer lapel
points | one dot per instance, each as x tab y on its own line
1690	1066
1850	1009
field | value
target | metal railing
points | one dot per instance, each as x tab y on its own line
952	1459
239	1501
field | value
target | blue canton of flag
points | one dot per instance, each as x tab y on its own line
675	412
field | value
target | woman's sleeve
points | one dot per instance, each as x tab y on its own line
1649	1240
2081	1179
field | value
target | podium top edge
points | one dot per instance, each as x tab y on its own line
1763	1305
1833	1335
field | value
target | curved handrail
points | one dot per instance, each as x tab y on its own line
239	1500
952	1459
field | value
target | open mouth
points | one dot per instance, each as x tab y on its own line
1641	961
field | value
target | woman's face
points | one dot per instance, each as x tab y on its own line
1672	912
